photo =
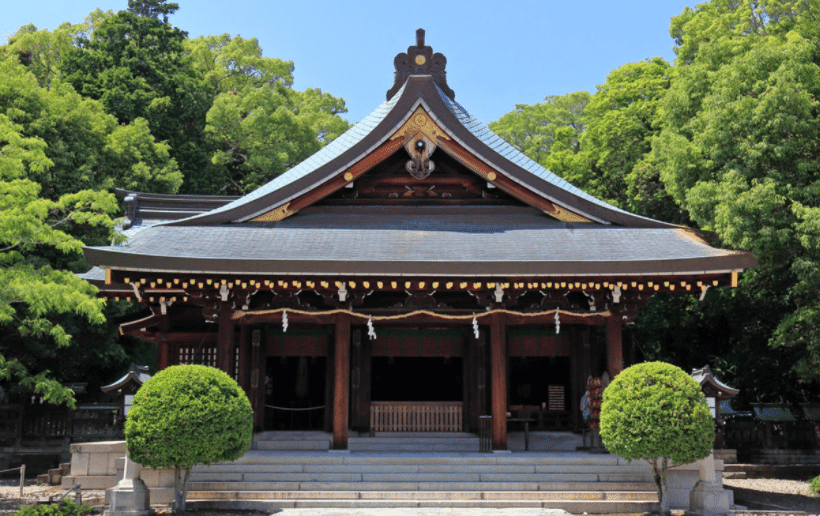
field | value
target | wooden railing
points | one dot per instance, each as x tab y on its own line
416	416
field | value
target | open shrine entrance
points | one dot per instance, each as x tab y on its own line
540	366
416	381
296	380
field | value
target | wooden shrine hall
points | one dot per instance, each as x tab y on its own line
416	273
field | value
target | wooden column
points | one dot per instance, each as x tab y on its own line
243	376
498	375
341	383
163	360
614	346
224	340
257	379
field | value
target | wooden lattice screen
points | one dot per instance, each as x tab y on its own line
416	416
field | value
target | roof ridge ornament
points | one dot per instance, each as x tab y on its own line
420	60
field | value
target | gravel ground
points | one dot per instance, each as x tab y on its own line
774	495
778	496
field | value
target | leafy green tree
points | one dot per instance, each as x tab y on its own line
258	126
34	293
739	151
621	120
85	145
186	415
535	129
135	64
656	412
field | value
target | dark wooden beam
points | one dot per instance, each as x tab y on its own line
341	382
498	374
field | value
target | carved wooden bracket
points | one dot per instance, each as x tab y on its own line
420	148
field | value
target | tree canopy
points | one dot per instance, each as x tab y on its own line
122	100
724	140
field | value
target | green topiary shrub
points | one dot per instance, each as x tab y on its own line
815	484
656	412
187	415
66	507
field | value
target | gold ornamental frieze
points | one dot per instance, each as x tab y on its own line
275	215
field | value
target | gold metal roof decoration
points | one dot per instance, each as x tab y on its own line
420	135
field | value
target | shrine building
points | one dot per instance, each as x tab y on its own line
415	274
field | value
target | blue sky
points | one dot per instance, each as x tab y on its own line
499	53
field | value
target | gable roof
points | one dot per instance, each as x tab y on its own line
378	128
280	229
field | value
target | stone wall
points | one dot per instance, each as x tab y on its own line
100	466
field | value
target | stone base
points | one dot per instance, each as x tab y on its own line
710	499
128	498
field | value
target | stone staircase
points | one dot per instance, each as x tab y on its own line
377	478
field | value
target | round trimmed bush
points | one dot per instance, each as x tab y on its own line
656	412
186	415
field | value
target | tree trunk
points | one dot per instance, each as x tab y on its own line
186	481
659	472
182	477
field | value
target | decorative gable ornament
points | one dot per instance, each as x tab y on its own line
420	60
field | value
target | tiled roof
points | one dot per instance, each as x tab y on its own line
327	154
417	239
481	131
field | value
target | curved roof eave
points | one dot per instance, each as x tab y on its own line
364	137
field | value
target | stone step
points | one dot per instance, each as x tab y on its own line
427	495
293	444
221	484
381	485
233	469
269	457
414	446
570	505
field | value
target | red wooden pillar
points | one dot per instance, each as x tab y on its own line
614	346
498	375
341	382
163	360
244	373
256	381
224	339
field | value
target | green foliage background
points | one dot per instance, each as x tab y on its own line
724	139
122	100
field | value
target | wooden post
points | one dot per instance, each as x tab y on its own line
163	359
244	372
224	340
614	346
256	380
341	382
498	375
